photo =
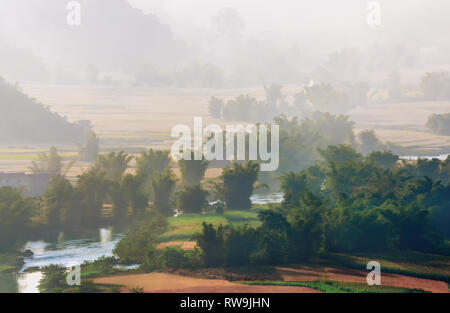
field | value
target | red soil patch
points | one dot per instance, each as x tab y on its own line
185	245
243	289
315	273
168	283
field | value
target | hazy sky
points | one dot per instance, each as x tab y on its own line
291	20
281	14
260	16
300	33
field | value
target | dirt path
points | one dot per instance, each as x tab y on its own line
168	283
314	273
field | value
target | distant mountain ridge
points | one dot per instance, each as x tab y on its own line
25	121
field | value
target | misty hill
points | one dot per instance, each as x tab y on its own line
23	120
112	37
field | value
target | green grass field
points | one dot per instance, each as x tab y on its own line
418	264
182	228
337	287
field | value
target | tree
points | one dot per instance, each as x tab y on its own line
336	128
240	108
309	222
436	86
429	168
239	243
53	279
326	99
300	101
15	215
299	142
339	154
293	185
141	239
273	95
118	196
369	142
150	163
132	186
413	227
50	163
238	184
384	159
59	205
215	107
192	199
439	124
193	171
162	188
92	190
445	171
91	149
211	242
228	23
289	126
114	165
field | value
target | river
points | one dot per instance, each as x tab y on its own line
66	250
441	157
73	249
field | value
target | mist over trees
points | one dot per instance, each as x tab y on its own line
149	164
439	124
89	151
47	163
231	50
436	85
100	42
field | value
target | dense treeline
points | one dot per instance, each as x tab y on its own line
347	203
106	193
322	97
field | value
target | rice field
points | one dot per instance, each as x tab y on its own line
136	118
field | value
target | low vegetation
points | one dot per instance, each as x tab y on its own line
337	287
418	264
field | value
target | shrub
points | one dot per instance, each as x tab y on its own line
53	279
192	199
210	241
142	238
